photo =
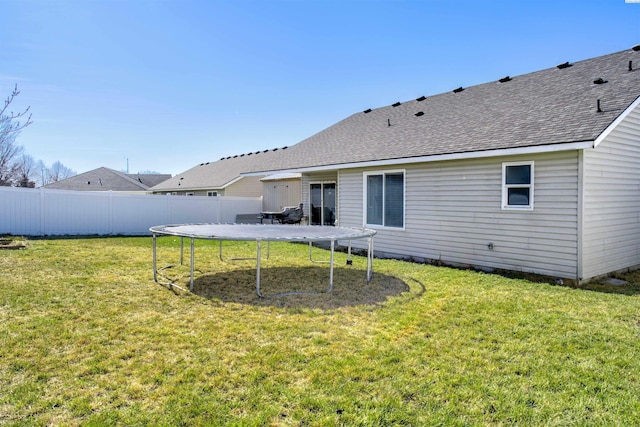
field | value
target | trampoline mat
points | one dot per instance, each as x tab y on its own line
264	232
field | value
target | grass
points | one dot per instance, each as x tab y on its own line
87	338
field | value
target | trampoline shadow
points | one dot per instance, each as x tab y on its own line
350	287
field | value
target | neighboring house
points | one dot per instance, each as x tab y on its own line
106	179
534	173
223	178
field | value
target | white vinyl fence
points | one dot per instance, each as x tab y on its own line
40	212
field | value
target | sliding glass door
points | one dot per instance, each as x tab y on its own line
323	203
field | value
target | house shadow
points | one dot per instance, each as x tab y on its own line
611	287
308	287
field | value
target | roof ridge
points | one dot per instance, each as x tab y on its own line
128	178
504	79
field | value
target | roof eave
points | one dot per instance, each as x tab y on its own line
579	145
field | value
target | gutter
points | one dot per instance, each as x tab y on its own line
580	145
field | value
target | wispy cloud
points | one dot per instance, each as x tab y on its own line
16	79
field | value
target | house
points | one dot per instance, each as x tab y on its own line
223	178
534	173
106	179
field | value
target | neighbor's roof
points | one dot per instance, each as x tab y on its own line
558	105
106	179
218	175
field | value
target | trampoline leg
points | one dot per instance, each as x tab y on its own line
156	272
258	269
181	250
155	267
370	260
349	261
333	244
311	255
242	259
191	282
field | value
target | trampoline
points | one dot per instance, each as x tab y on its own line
262	233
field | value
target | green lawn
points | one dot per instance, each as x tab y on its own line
87	338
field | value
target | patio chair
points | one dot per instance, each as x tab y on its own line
292	215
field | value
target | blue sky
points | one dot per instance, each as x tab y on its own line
166	84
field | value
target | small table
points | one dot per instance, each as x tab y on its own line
270	216
264	233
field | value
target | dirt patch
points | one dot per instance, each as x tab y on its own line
350	287
8	243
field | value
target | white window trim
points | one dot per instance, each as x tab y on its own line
505	187
404	198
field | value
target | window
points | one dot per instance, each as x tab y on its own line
190	193
517	185
212	193
384	199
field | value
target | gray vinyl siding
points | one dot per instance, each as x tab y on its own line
612	201
249	186
453	212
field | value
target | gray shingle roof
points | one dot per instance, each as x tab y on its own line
217	175
105	179
552	106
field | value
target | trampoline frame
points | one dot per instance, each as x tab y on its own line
260	233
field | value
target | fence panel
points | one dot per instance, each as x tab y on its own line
75	213
135	213
20	211
42	212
